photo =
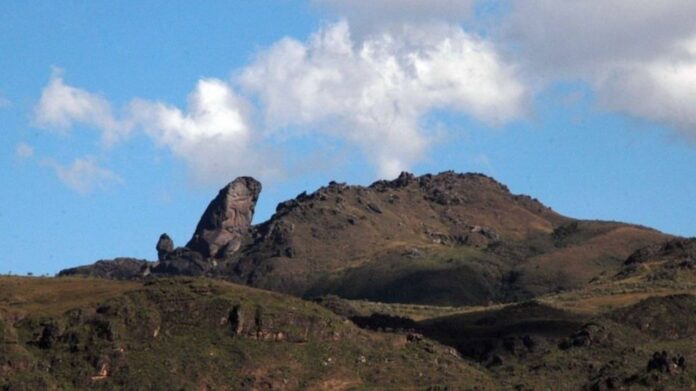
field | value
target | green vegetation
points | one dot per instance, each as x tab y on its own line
186	333
203	334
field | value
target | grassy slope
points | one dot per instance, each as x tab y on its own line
179	334
602	334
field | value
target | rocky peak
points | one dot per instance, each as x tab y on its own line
165	245
227	219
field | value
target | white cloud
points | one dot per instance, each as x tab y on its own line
213	136
84	175
639	56
569	37
61	106
375	92
372	93
24	151
662	90
375	88
375	15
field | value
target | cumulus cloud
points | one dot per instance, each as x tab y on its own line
375	92
372	15
372	93
375	89
662	90
639	56
24	151
214	135
570	37
61	106
84	175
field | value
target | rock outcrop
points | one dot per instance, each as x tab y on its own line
227	219
165	245
115	269
446	239
182	261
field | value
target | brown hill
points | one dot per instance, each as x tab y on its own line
440	239
199	334
455	239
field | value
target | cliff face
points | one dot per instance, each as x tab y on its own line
227	219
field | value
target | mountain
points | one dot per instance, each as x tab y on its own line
447	239
436	282
450	238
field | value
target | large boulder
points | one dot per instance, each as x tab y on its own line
181	261
227	219
165	245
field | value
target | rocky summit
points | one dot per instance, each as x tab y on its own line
438	282
447	239
226	221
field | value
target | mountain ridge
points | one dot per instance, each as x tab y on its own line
447	238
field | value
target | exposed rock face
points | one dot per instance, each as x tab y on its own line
676	249
489	244
116	269
182	262
165	245
227	219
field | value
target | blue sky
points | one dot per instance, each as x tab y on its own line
121	120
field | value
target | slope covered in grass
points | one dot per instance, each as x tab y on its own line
198	334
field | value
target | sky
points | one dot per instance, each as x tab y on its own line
120	120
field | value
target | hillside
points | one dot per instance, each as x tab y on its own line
199	334
436	282
446	239
453	239
203	334
602	341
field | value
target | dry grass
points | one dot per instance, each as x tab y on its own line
588	302
416	312
53	296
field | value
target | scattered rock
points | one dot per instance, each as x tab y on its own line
48	337
165	245
414	337
236	320
182	262
590	334
670	250
379	321
665	363
374	208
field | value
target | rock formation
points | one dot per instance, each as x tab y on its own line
227	219
116	269
165	245
446	239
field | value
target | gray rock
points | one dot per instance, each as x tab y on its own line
226	221
182	262
115	269
165	245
